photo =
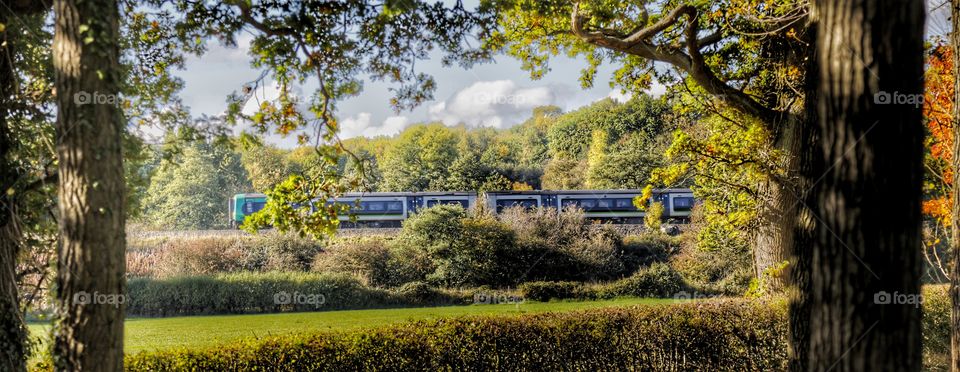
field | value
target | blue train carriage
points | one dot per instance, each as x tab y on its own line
614	206
374	209
499	200
389	209
243	205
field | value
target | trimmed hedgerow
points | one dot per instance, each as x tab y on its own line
269	292
715	335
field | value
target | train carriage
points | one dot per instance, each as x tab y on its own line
389	209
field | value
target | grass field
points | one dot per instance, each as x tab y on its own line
145	334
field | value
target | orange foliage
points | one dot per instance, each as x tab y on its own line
937	111
938	102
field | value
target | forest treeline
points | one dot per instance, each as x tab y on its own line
604	145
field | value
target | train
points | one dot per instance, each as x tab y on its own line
390	209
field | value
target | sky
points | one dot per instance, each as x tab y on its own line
498	94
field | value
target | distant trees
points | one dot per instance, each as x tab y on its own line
266	166
190	191
420	159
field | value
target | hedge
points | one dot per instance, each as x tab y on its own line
713	335
704	335
269	292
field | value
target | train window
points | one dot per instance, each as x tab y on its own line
395	206
682	203
461	202
588	203
569	203
501	204
624	203
373	206
253	206
604	203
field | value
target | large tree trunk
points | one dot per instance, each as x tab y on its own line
773	245
807	174
90	270
866	245
955	217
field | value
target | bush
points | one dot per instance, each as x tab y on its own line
936	327
485	253
165	258
564	246
646	249
420	293
724	272
545	291
658	280
738	336
367	259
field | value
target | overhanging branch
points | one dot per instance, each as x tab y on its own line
639	44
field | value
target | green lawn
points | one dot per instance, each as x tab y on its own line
205	331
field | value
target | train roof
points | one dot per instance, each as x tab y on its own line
502	192
586	192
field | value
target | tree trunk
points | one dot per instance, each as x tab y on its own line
865	277
955	215
773	245
90	270
808	172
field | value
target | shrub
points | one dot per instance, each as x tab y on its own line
245	293
420	293
936	327
165	258
287	252
738	336
484	253
367	259
726	270
657	280
646	249
563	246
545	291
263	293
715	254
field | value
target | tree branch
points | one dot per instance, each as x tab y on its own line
638	44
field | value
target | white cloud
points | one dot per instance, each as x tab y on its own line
498	104
657	89
361	125
619	95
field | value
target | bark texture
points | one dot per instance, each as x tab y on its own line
866	244
90	269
